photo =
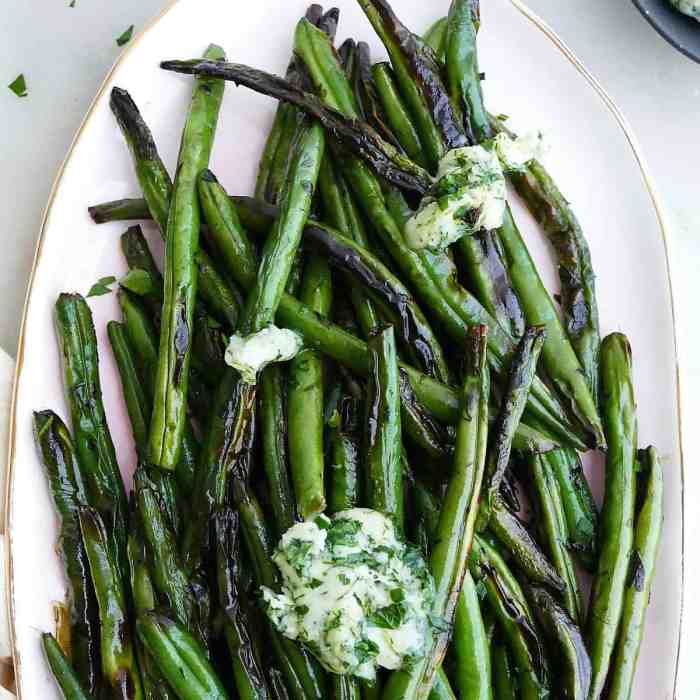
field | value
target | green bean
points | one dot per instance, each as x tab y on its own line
340	211
208	346
580	509
66	678
169	576
462	68
435	37
370	107
93	442
282	243
470	645
396	113
180	658
573	658
514	617
302	675
448	560
366	269
482	258
226	448
442	689
305	401
504	680
522	372
138	256
419	81
132	209
344	451
617	517
119	666
157	187
554	532
180	279
384	485
578	297
418	426
69	493
558	356
132	388
344	688
144	598
647	537
526	553
245	653
273	426
220	213
143	343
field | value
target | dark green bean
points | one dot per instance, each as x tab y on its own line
119	666
575	679
384	486
617	517
69	493
180	658
344	453
554	532
246	657
647	537
514	617
302	674
93	442
273	426
66	678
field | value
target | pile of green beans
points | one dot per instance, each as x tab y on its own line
432	386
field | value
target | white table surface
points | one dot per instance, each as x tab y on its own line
65	52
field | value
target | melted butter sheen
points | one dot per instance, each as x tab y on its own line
353	593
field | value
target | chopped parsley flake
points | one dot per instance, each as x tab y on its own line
102	286
19	86
125	36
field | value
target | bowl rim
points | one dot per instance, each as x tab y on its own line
668	36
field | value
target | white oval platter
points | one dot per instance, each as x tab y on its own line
530	76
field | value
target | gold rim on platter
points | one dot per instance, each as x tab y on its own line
609	103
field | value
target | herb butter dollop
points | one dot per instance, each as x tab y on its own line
357	596
250	354
469	192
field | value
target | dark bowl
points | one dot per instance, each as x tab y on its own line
678	29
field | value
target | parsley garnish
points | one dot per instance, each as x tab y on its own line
19	86
125	36
365	650
343	533
390	617
138	281
102	286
